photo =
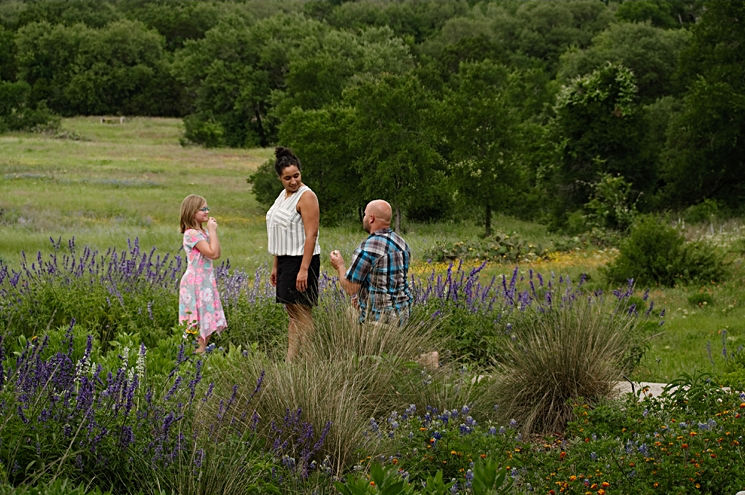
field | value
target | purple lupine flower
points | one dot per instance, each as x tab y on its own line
208	393
173	388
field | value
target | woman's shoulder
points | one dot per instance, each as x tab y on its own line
306	192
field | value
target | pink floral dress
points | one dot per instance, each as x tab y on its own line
199	302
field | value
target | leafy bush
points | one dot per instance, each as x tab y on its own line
611	206
486	478
202	130
264	184
655	253
701	299
18	114
704	211
499	247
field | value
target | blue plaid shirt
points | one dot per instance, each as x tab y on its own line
381	266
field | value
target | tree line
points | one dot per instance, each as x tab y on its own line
575	112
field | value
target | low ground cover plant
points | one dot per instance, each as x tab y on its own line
131	409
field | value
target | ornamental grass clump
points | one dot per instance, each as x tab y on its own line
347	373
577	348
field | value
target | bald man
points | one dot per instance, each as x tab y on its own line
377	278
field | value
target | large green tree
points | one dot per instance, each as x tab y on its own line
46	59
122	68
231	73
391	143
705	157
481	119
544	30
597	129
319	138
321	67
651	53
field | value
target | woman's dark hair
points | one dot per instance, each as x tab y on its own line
285	158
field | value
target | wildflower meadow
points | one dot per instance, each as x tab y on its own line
100	391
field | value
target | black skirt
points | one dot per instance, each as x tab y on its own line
287	269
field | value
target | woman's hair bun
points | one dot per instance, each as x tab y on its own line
285	158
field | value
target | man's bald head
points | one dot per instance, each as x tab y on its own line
378	215
381	209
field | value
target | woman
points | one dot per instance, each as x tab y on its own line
292	229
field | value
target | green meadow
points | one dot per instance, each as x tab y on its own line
106	183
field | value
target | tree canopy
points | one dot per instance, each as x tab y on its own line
522	106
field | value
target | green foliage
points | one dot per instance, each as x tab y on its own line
486	150
597	128
264	184
18	113
389	139
701	299
486	479
500	247
489	479
656	253
203	130
119	69
705	211
56	487
611	205
651	53
704	148
321	140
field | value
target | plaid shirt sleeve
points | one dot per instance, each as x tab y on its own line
360	266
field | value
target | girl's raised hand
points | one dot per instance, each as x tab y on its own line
212	224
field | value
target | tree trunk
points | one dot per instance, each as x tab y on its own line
487	221
398	219
262	135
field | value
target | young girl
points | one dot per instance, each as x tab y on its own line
199	302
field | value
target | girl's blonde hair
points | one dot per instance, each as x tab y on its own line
189	208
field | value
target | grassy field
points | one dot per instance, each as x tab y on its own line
106	183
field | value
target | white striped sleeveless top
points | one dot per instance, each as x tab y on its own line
284	226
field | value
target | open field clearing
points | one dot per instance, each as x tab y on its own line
104	184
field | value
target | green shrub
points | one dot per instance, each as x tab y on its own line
264	183
655	253
701	299
704	211
611	206
204	131
500	247
17	114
